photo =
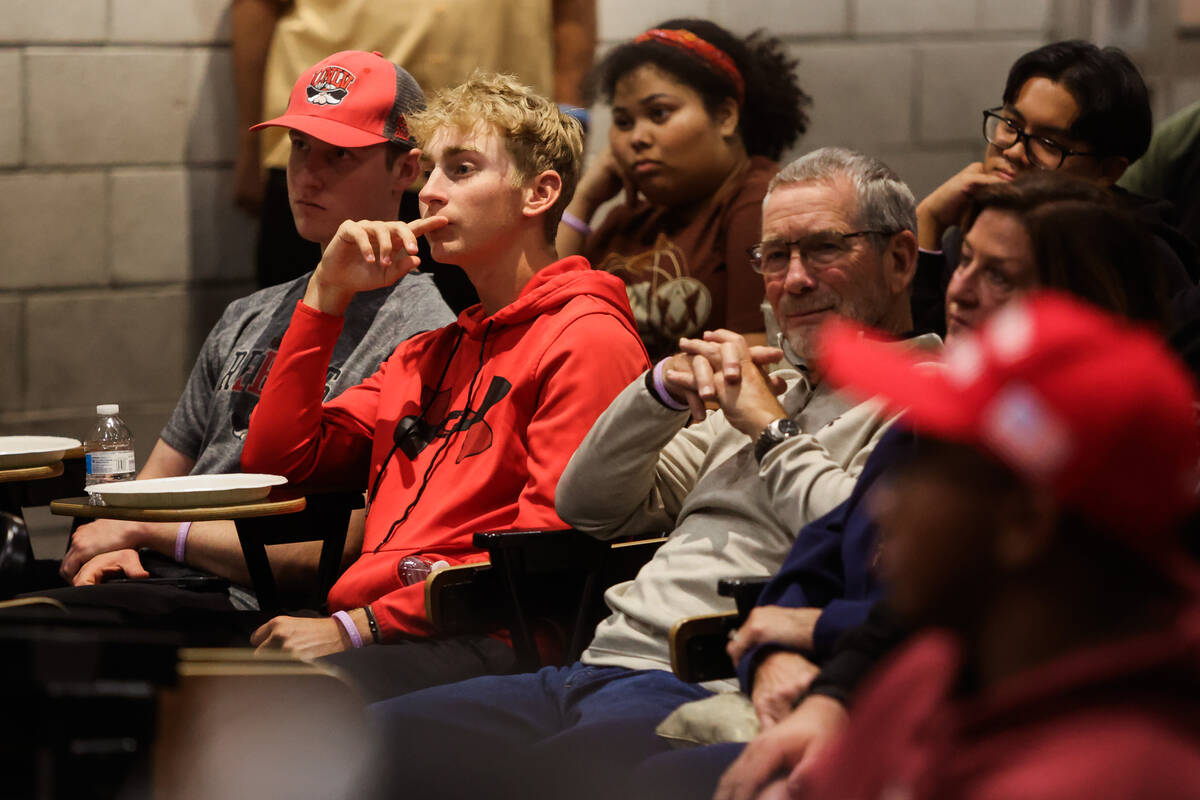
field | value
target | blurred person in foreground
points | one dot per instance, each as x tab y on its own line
1041	230
1037	539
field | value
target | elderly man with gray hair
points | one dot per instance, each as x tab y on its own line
733	489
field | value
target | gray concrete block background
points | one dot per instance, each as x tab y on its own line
150	225
52	21
170	21
852	105
12	355
12	110
126	345
107	105
54	226
913	17
958	81
121	245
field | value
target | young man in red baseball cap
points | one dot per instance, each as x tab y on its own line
352	158
1036	534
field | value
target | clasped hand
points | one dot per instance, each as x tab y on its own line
723	368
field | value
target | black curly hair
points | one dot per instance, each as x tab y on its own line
774	113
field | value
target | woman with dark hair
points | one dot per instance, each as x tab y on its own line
1051	231
700	117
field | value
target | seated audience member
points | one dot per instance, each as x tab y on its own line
349	160
733	489
1037	540
1068	107
547	45
462	429
700	118
1038	231
1170	169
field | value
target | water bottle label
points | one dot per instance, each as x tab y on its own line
109	462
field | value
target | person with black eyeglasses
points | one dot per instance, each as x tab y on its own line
1069	107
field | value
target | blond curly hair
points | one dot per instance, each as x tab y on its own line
536	134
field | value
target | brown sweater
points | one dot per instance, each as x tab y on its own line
688	276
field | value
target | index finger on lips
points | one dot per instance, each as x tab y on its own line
422	226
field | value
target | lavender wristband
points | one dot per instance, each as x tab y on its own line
351	628
575	223
181	540
660	388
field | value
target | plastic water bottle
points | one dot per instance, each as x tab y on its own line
415	569
108	451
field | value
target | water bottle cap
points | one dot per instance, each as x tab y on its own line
108	409
439	564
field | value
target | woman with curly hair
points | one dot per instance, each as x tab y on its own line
700	118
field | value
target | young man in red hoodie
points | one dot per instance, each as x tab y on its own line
462	429
1037	533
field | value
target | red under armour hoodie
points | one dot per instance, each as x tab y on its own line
462	429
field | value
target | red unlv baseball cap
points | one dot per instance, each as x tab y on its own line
352	99
1067	396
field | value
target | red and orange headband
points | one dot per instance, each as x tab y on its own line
713	57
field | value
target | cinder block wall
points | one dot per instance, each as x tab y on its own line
901	79
121	245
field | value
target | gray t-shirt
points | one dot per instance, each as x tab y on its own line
209	423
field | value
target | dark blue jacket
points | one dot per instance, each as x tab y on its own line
832	564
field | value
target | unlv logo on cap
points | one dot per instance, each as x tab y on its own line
329	86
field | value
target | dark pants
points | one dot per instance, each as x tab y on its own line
685	774
203	616
389	670
560	732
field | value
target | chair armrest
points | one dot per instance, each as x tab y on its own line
464	599
541	551
744	591
698	647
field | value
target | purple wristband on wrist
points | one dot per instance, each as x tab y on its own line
576	224
661	388
181	541
351	628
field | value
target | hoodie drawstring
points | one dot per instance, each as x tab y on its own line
458	426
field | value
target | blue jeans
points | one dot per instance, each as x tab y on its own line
683	774
573	732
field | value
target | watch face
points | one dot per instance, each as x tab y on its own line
773	434
788	427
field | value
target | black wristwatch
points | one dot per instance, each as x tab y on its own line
773	434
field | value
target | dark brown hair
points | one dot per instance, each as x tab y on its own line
1083	242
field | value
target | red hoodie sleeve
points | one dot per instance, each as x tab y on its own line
290	432
580	373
